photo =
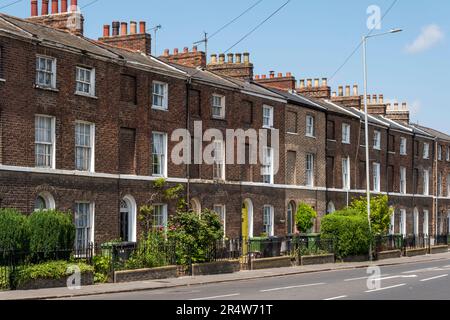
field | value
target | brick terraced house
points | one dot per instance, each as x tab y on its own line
87	126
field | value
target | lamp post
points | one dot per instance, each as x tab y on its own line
364	43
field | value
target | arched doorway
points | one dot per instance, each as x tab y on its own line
128	219
196	206
247	224
331	208
291	218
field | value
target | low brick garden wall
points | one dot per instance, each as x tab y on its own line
218	267
318	259
416	252
145	274
383	255
268	263
438	249
87	279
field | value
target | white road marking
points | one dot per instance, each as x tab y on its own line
336	298
386	288
362	278
217	297
420	270
395	277
293	287
434	278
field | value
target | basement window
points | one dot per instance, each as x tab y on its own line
85	81
46	72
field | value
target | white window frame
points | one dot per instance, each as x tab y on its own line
221	211
48	199
377	140
426	221
416	222
267	165
219	162
269	123
163	156
309	170
402	180
439	152
403	146
448	185
346	132
52	143
346	182
310	126
448	154
52	73
403	222
426	182
90	228
90	83
440	187
376	177
91	162
164	215
392	224
426	150
268	226
164	96
221	107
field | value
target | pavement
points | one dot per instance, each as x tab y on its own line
272	278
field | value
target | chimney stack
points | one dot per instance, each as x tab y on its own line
133	27
63	6
236	66
34	8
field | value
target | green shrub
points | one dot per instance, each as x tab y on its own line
304	219
194	235
51	230
349	231
4	278
14	230
102	268
48	270
380	212
151	253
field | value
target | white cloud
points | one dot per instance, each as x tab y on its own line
429	37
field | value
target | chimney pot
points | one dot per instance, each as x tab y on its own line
374	99
280	75
396	106
316	83
73	5
288	74
185	50
142	27
34	8
213	58
221	58
44	7
347	91
175	51
381	99
230	58
388	107
368	99
324	82
166	52
333	94
115	28
355	90
55	6
341	91
124	29
63	5
106	30
404	106
257	77
302	84
133	27
309	83
246	57
194	49
238	58
272	74
263	76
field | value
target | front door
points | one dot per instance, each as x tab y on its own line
124	221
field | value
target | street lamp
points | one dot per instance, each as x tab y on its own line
364	43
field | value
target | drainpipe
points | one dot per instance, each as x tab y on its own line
188	121
436	183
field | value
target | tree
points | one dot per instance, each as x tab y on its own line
380	212
162	193
304	217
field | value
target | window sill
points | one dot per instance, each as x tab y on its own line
347	143
46	88
293	133
332	140
2	80
87	95
218	118
159	108
377	149
312	137
270	128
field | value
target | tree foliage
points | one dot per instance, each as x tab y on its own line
14	230
304	219
380	212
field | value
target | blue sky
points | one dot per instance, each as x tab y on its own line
311	39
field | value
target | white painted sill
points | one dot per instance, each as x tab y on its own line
87	95
46	88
